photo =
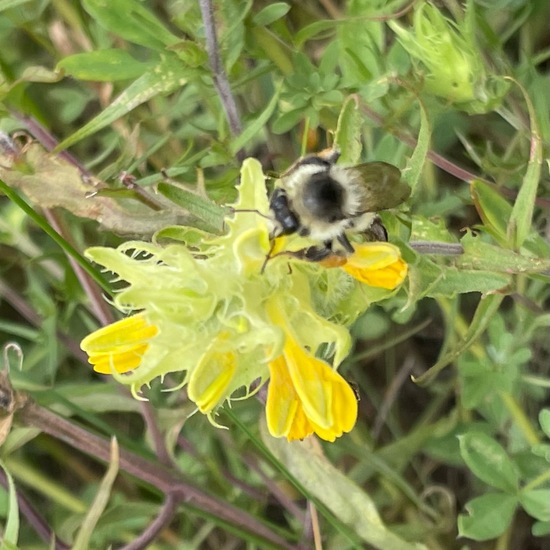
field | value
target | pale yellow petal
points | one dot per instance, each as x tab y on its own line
210	379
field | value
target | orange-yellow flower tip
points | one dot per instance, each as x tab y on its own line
307	396
119	347
377	265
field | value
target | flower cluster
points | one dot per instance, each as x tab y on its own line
201	306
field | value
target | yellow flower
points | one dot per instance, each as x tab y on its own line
209	313
119	347
305	394
377	264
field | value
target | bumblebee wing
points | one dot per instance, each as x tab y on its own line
381	186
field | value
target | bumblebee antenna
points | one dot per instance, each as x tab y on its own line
249	210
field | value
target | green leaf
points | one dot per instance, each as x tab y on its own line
541	529
132	21
67	247
415	164
488	460
258	124
481	381
7	4
544	420
519	226
89	524
287	121
325	28
10	532
493	209
204	209
103	65
489	516
271	13
337	492
348	132
455	281
485	311
536	503
165	77
484	256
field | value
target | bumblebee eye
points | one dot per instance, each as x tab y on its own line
324	197
283	214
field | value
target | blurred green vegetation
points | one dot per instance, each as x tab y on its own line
451	447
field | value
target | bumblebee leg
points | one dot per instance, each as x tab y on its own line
376	232
316	253
268	256
344	241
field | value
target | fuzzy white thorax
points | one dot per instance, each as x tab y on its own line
349	179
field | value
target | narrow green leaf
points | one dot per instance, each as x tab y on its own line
132	21
204	209
7	4
166	77
271	13
485	311
348	132
412	173
325	28
272	49
536	503
489	516
522	211
10	533
488	460
87	528
493	209
256	125
55	236
103	65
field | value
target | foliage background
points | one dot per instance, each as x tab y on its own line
141	88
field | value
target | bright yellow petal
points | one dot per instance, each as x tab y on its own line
309	377
289	415
377	264
301	426
282	401
107	363
119	347
124	333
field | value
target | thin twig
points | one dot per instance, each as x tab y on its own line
391	395
156	435
163	519
152	473
101	309
436	247
221	82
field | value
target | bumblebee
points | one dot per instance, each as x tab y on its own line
318	199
